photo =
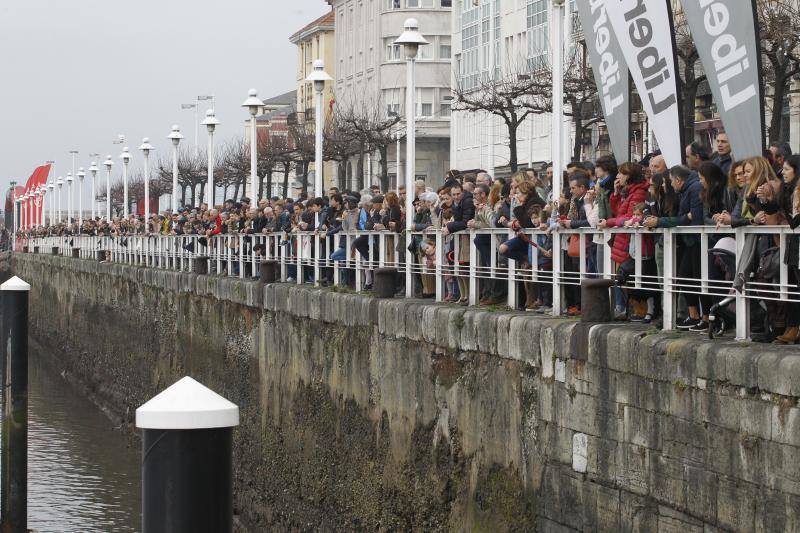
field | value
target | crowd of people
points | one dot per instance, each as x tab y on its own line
711	189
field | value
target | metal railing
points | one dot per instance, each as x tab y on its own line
350	258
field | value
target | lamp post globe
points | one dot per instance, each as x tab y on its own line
109	163
411	39
253	104
126	158
93	171
175	136
318	77
211	122
146	148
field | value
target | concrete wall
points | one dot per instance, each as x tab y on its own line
360	414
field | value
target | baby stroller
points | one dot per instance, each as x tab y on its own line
753	267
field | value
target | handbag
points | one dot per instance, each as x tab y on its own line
574	246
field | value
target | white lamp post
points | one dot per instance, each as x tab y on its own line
43	210
126	158
109	163
93	169
211	122
51	185
175	136
557	47
318	77
146	147
410	39
60	184
69	197
37	201
23	207
253	104
81	174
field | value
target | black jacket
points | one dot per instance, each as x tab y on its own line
463	212
521	211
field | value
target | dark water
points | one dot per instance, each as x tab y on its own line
82	474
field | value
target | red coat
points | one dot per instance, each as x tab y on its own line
622	207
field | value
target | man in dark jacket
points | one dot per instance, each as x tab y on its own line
690	213
723	157
463	212
576	218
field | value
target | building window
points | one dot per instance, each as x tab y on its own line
391	100
445	51
537	34
393	4
445	107
425	51
424	102
419	3
447	3
393	51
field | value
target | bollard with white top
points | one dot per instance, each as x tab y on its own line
14	371
187	463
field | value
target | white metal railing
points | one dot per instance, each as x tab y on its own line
351	257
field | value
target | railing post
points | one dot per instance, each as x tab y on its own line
512	281
473	279
742	303
667	298
556	273
439	256
14	460
187	459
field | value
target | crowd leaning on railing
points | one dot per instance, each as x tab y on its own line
705	247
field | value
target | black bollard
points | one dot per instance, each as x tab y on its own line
36	249
76	253
25	249
596	300
101	256
187	460
200	265
54	250
385	284
14	478
268	271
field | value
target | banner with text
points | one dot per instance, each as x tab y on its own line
610	74
645	35
724	32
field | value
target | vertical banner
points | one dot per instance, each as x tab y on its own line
610	74
644	31
725	33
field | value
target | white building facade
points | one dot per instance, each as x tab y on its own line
371	73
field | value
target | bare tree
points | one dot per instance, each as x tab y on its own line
517	95
780	47
338	145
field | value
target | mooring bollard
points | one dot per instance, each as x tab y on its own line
596	300
187	463
54	250
385	284
200	265
76	253
25	249
14	460
36	249
101	256
267	271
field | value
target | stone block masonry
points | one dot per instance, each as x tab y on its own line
394	415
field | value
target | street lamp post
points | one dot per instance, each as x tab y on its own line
43	189
109	163
557	124
410	39
60	184
93	169
81	174
51	185
126	158
253	104
146	147
37	201
69	198
318	77
175	136
211	122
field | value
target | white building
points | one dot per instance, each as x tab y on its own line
371	73
498	39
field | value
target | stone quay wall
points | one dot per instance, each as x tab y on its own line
397	415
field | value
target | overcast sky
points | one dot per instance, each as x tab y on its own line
76	73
